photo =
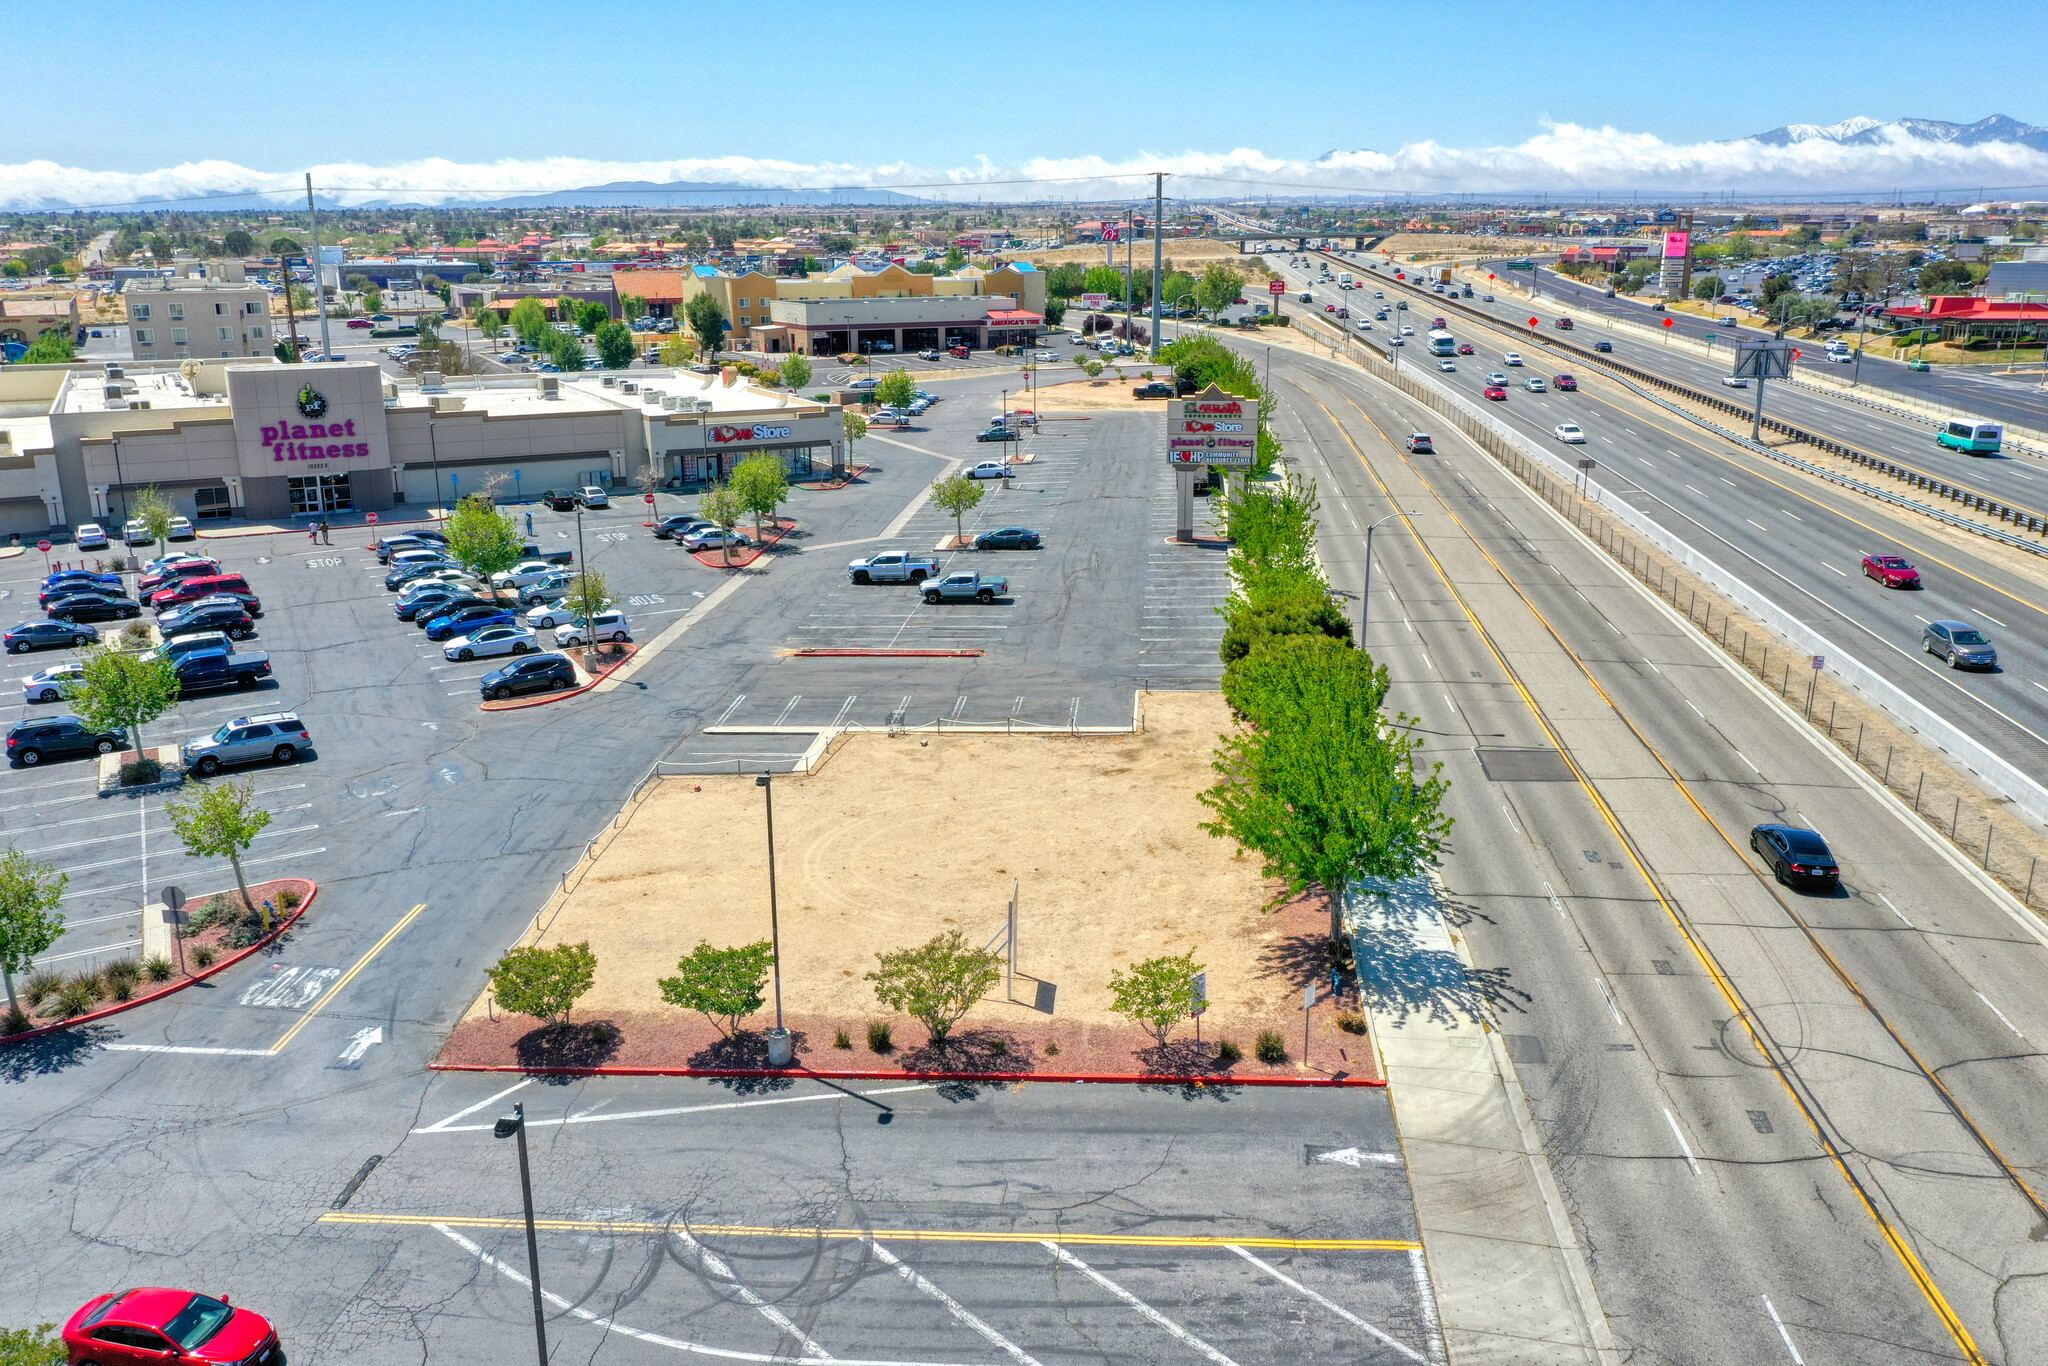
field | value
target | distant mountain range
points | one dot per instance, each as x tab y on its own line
692	194
1867	132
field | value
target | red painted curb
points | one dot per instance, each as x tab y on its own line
753	552
1096	1078
823	653
219	965
522	703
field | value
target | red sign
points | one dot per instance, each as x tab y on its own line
1276	287
372	518
1669	321
1534	321
648	496
1112	234
43	546
723	434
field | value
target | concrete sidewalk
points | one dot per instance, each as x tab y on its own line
1512	1284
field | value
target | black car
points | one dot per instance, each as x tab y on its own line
560	500
536	673
668	526
1798	858
427	606
1008	538
92	607
57	592
58	737
1603	346
40	635
405	574
228	618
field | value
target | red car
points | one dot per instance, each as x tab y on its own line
360	322
1464	348
1564	381
1891	571
1329	308
1496	391
1564	324
159	1326
181	591
177	569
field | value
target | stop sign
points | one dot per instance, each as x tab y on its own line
648	496
43	546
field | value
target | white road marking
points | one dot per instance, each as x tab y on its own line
179	1048
1608	997
1793	515
717	1266
464	1114
1554	901
1683	1146
446	1126
1143	1308
1825	565
1509	813
1897	912
1797	1360
1339	1310
953	1306
1999	1013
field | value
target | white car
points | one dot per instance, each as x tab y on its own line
1569	433
1534	384
594	497
927	354
549	615
1511	358
1735	381
47	685
181	530
92	536
522	574
611	625
1496	377
1046	355
989	469
1724	322
439	579
496	640
1447	365
135	533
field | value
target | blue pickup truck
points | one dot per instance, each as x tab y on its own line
211	670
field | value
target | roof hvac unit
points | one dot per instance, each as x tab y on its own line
111	391
629	386
608	382
550	387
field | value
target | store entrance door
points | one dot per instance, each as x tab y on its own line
316	494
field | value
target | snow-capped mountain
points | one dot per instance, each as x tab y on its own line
1868	132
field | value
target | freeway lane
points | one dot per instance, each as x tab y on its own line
1694	1178
1801	541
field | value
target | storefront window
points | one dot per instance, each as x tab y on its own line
318	493
211	503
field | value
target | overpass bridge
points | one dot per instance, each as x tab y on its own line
1253	243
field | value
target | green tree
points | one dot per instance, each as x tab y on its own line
52	348
796	370
118	690
723	985
588	594
632	306
488	324
30	891
1218	288
615	345
958	495
1055	311
955	258
544	983
1103	280
564	350
855	425
1939	277
678	350
937	982
1776	287
529	320
32	1346
761	483
1709	287
14	269
1156	994
707	320
1066	280
429	325
286	353
359	283
1321	784
721	506
221	821
591	315
150	507
284	246
236	242
896	390
483	536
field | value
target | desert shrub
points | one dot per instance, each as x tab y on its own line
15	1021
120	970
203	956
839	1039
1228	1053
289	899
1271	1048
879	1039
1351	1022
40	983
77	997
158	968
141	771
1052	1049
243	934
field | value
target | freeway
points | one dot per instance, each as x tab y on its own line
1798	540
1733	1083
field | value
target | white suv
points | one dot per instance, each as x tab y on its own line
609	625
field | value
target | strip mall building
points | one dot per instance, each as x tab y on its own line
249	438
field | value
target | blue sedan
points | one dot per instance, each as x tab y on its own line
468	620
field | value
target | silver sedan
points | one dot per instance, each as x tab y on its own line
495	640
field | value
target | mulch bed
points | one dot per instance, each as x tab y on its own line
715	559
213	937
595	670
827	485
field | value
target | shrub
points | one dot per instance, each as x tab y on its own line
723	985
289	899
32	1346
1271	1048
15	1021
141	771
242	935
543	983
1351	1022
839	1039
77	997
937	982
121	970
1156	994
999	1047
879	1040
135	635
40	983
1052	1049
1228	1054
121	988
158	968
203	956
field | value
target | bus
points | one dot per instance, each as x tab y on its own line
1971	434
1442	344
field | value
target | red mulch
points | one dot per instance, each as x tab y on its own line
853	472
715	559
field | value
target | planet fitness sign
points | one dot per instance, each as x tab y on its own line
313	441
726	434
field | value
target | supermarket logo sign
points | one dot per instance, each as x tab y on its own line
729	434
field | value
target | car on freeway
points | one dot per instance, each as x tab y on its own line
1397	341
1959	643
162	1326
1496	377
47	685
591	496
57	737
990	469
495	640
90	536
1724	322
1535	385
1511	358
279	736
610	624
1891	571
1567	383
462	621
1486	298
1569	433
1798	857
1496	391
227	617
79	607
713	538
963	587
1407	331
539	673
1419	443
1464	348
1735	381
1008	538
181	530
1449	366
559	500
1598	345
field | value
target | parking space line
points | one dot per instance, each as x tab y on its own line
717	1266
1143	1308
954	1307
1339	1310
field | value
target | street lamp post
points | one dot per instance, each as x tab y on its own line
514	1126
780	1048
1365	598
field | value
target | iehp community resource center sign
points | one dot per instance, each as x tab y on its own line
1212	428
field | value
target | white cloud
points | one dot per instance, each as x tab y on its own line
1563	158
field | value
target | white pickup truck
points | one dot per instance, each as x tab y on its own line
893	566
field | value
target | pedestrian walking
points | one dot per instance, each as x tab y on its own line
326	537
529	524
313	532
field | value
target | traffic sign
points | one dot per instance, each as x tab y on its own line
371	518
1535	322
648	496
1820	661
1669	321
43	546
1276	286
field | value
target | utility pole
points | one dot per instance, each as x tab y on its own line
319	291
1129	247
1158	249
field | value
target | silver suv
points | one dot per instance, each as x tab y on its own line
278	735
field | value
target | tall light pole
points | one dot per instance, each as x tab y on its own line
1158	248
514	1126
779	1046
1365	598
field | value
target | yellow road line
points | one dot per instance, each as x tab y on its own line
1915	1269
347	977
898	1235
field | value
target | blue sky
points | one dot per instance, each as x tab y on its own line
914	89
